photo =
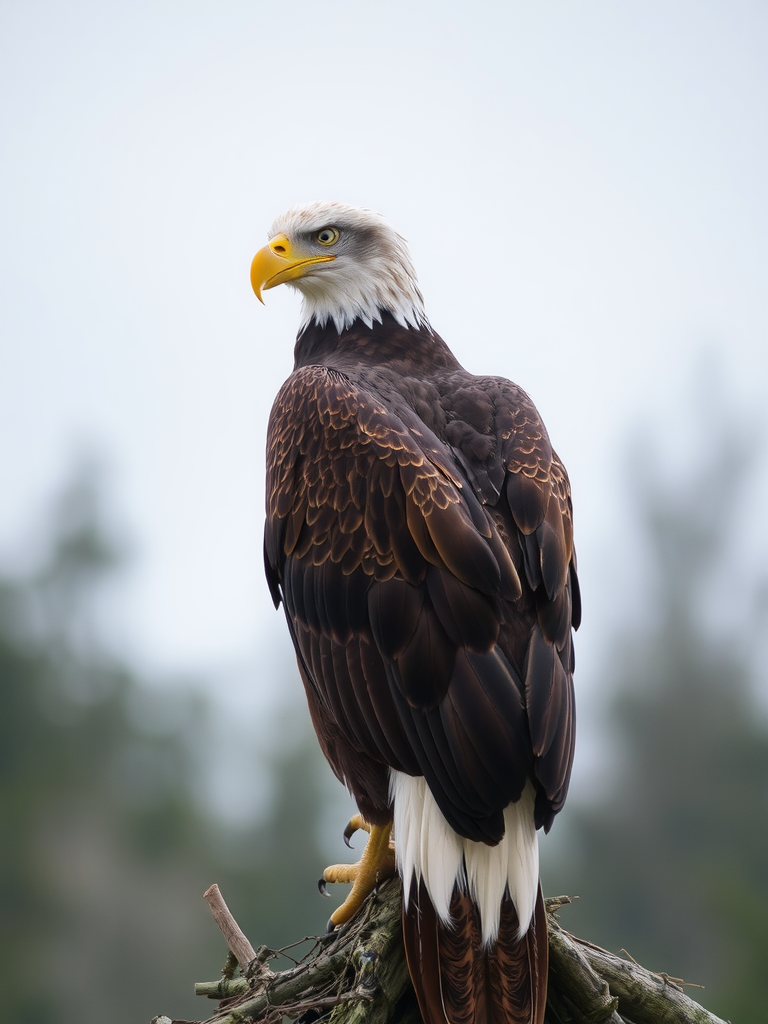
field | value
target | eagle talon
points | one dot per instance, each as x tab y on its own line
376	863
322	888
356	823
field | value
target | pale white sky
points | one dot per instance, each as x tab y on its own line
583	186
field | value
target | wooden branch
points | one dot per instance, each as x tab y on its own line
653	998
236	940
359	974
574	985
604	987
361	965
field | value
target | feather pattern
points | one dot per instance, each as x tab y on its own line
419	535
461	980
429	851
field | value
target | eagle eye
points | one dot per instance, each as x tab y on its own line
327	236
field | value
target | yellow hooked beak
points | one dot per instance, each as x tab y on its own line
277	262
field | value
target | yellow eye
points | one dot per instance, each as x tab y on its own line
327	236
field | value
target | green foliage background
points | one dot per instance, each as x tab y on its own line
671	862
107	840
106	844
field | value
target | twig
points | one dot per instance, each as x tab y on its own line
230	929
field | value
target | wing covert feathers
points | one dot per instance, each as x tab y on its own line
459	980
430	586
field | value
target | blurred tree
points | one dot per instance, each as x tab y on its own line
274	867
105	847
672	864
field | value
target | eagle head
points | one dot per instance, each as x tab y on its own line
348	264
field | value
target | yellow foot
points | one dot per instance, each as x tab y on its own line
376	864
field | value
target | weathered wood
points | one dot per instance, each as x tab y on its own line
644	997
575	986
236	940
360	975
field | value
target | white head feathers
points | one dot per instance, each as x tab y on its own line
371	271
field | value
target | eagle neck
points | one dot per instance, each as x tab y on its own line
404	349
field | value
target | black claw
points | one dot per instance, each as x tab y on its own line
322	889
330	927
348	833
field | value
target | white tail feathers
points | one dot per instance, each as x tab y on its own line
427	848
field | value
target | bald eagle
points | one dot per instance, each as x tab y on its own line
419	537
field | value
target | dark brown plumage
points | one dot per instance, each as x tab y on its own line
419	535
451	967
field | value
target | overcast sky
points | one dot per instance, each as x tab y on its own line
583	187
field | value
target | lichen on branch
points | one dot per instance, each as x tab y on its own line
358	975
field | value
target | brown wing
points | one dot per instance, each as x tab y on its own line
399	589
503	447
538	498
